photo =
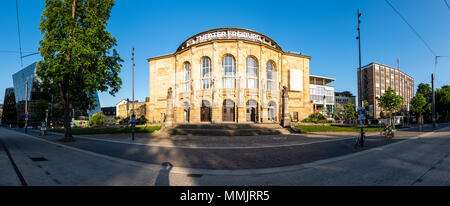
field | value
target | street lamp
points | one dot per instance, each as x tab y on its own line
360	80
26	106
133	117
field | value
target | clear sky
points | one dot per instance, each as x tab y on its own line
324	30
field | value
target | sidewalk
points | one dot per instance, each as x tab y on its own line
422	161
246	141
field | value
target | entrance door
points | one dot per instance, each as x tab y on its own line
187	111
271	111
252	111
228	110
205	111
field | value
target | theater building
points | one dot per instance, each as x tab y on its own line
229	75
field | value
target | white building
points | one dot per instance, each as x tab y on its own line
322	94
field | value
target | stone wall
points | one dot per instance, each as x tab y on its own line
168	71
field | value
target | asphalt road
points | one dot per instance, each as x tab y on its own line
420	160
204	158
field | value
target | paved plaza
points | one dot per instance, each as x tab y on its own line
412	158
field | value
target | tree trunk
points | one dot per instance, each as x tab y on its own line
64	92
419	124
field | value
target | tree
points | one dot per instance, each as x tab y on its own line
425	89
77	60
40	110
350	111
340	112
390	102
141	120
419	106
97	119
443	101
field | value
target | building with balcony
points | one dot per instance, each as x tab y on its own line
322	95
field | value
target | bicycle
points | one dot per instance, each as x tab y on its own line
387	132
359	141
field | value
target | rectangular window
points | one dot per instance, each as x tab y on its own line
295	116
228	83
251	83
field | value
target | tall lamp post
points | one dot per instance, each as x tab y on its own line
433	93
360	79
133	117
26	106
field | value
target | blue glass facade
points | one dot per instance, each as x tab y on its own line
97	107
19	79
34	93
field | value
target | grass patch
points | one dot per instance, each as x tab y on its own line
83	131
311	128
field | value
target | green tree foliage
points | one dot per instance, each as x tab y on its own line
340	112
40	109
419	106
425	89
350	112
98	119
390	102
443	101
76	50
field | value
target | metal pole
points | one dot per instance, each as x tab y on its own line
360	77
18	29
133	121
26	106
433	101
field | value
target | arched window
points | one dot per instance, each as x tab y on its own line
229	72
206	73
187	76
270	77
252	73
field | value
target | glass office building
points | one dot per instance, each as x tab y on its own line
27	87
9	114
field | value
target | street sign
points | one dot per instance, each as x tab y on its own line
26	116
133	120
361	113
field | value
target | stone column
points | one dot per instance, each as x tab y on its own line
285	118
169	113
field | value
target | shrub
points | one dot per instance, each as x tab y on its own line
125	120
315	118
97	119
141	120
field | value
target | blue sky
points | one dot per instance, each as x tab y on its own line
324	30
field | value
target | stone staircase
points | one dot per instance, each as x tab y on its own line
225	129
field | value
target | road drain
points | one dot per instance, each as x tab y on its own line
38	159
194	175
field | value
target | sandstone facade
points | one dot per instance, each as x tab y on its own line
226	79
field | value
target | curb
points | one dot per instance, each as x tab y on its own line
183	170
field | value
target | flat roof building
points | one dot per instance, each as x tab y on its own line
377	78
344	97
322	94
